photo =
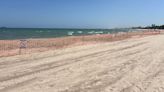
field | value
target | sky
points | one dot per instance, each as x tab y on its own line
80	13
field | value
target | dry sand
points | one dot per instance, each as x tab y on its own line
131	65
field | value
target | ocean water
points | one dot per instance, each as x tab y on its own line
27	33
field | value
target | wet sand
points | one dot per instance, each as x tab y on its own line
131	65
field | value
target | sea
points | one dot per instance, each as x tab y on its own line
32	33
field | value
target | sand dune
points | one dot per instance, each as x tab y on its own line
131	65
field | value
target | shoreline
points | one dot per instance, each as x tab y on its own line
12	47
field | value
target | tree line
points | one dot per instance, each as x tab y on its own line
153	26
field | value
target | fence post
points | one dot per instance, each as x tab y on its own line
23	45
83	39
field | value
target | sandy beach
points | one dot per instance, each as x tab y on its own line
130	65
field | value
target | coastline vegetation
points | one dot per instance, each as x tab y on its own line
153	26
